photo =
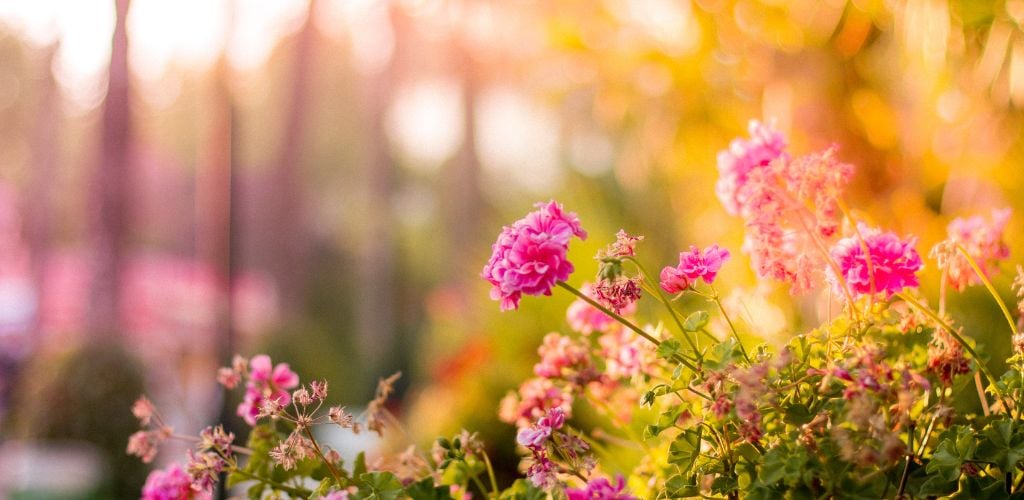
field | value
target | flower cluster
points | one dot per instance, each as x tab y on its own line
862	402
266	388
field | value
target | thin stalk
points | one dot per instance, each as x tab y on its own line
963	343
628	324
664	300
991	289
735	334
330	466
490	474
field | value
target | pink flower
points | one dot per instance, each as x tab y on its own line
693	265
266	382
600	488
625	354
561	356
982	240
735	163
170	484
143	410
894	262
533	437
618	295
535	397
530	255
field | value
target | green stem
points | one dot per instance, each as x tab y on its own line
672	311
735	334
300	492
639	331
330	466
963	343
991	289
490	475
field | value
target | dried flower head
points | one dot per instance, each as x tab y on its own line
981	239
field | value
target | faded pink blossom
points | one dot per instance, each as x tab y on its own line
143	410
204	469
171	483
619	295
819	178
146	444
561	356
533	400
981	239
586	319
744	155
894	262
530	255
600	488
534	436
625	354
693	265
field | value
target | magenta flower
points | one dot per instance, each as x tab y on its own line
693	265
533	437
170	484
530	255
742	156
266	382
981	239
895	262
601	488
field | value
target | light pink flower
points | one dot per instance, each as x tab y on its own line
894	262
601	488
625	354
744	155
266	382
530	255
981	239
533	437
561	356
533	400
171	483
143	410
693	265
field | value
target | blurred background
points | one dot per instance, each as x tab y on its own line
321	180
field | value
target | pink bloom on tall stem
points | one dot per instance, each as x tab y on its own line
170	484
534	399
530	255
586	319
601	488
266	382
563	357
981	239
693	265
743	155
894	262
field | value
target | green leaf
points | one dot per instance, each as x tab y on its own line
956	446
684	451
695	321
797	414
937	486
323	488
359	467
380	485
724	484
1003	444
523	490
651	431
425	490
669	348
255	491
681	487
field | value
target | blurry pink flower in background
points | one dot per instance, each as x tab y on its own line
981	239
693	265
562	356
535	397
743	155
530	255
894	262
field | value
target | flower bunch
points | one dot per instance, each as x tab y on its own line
861	403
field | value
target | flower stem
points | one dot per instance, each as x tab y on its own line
963	343
490	475
320	453
735	334
668	305
991	289
639	331
300	492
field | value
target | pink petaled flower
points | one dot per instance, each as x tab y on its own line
561	356
535	397
586	319
981	239
204	468
619	295
534	437
735	163
530	255
894	262
143	410
266	382
819	178
601	488
146	444
170	484
626	354
693	265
